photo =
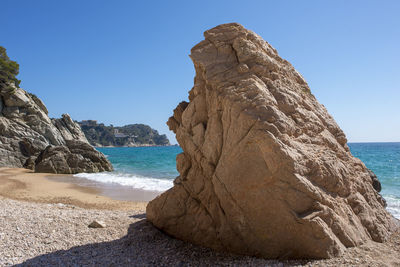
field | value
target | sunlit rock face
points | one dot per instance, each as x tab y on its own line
30	139
265	170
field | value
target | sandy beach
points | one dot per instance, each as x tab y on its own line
45	223
22	184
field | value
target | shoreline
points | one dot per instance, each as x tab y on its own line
25	185
114	191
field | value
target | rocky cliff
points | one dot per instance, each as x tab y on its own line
265	170
27	134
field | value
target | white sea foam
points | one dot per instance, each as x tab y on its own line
135	181
393	205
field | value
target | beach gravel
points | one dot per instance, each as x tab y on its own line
37	234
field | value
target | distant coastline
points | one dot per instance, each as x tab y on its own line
131	135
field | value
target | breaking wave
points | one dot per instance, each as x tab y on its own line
131	180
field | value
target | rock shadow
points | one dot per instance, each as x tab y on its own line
144	245
138	216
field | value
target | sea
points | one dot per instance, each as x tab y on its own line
153	169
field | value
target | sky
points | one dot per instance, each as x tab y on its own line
123	62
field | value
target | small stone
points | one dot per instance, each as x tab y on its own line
97	224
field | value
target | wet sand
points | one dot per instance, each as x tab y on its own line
114	191
22	184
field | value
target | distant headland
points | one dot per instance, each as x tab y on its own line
131	135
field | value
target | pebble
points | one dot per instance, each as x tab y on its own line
97	224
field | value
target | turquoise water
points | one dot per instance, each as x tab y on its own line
384	160
147	168
154	168
156	162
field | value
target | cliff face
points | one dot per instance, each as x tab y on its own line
265	170
69	129
26	132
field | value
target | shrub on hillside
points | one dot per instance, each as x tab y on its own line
8	69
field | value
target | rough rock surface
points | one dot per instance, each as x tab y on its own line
74	157
265	170
26	131
69	129
375	182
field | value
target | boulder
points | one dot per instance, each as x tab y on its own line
376	184
75	157
265	170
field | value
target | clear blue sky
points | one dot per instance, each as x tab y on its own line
123	62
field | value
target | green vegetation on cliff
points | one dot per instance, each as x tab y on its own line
128	135
8	69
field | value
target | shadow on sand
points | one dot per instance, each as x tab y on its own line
144	245
139	216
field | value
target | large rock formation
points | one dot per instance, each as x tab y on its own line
30	139
265	170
